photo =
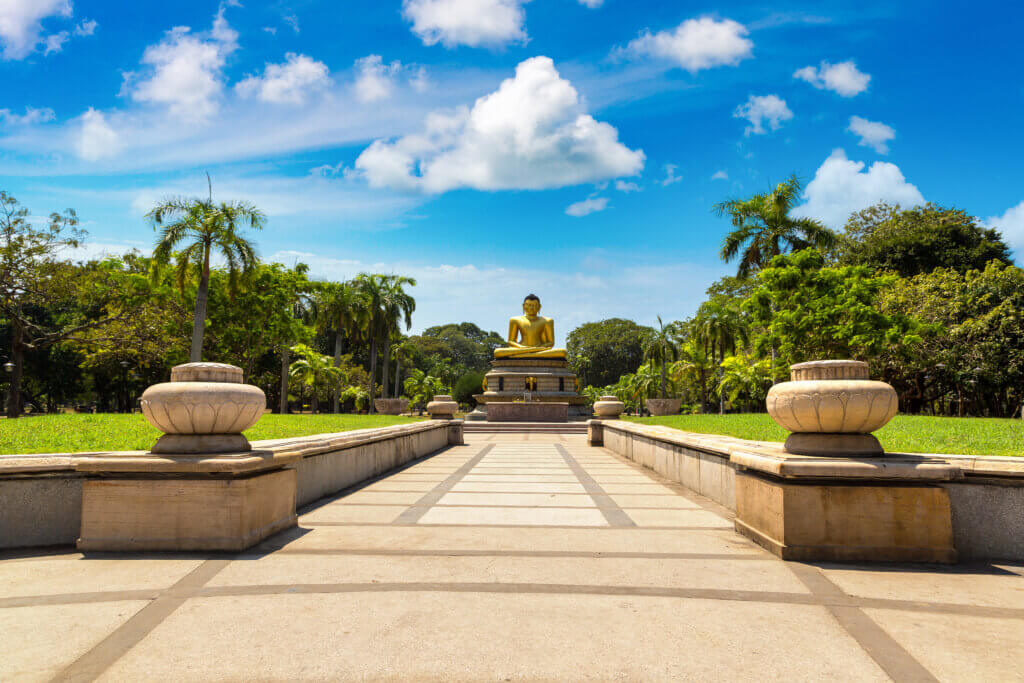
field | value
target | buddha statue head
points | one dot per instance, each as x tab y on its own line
531	305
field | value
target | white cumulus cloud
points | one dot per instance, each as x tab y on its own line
21	25
467	22
587	206
872	134
31	116
531	133
625	186
843	78
1011	224
375	79
720	175
670	175
592	4
96	139
841	187
763	109
696	44
185	73
86	27
288	83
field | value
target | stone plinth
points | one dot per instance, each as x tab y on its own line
501	411
391	406
544	380
609	407
443	407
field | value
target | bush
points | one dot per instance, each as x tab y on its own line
467	385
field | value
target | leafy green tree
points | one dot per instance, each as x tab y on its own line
969	357
721	325
467	345
315	371
199	227
421	388
387	304
600	353
744	376
467	386
660	348
812	312
763	228
48	301
919	240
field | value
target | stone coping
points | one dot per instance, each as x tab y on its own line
770	458
266	455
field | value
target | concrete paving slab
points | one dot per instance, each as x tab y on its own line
662	502
966	585
368	497
73	574
957	647
519	499
692	517
351	514
531	487
446	636
710	573
39	642
515	516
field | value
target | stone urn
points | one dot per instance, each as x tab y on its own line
831	408
609	408
391	406
663	406
203	409
443	407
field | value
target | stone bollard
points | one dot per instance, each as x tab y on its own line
203	409
831	408
442	407
595	433
455	433
609	408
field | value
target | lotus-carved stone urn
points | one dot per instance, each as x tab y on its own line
832	407
203	409
609	407
443	407
663	406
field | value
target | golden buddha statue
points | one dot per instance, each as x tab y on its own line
530	335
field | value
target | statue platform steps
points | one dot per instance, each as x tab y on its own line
525	427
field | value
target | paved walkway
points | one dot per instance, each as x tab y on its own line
512	557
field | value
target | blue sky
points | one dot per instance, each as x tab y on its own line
493	147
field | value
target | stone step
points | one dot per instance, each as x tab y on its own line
525	427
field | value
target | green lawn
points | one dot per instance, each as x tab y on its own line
906	433
71	433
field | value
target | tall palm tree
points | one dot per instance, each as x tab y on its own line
763	228
720	323
696	362
397	307
314	370
340	307
386	303
660	347
744	376
203	227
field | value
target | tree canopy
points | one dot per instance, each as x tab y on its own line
601	352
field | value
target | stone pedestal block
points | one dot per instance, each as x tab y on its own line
881	522
609	407
185	514
527	412
391	406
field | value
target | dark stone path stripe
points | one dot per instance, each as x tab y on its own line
77	598
609	508
892	657
93	663
414	513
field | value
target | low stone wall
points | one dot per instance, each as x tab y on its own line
985	518
41	495
533	411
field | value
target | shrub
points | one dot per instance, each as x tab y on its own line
467	385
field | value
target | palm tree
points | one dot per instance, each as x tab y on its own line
340	307
314	370
744	376
696	362
386	303
763	228
402	350
204	227
421	388
397	307
720	323
659	347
